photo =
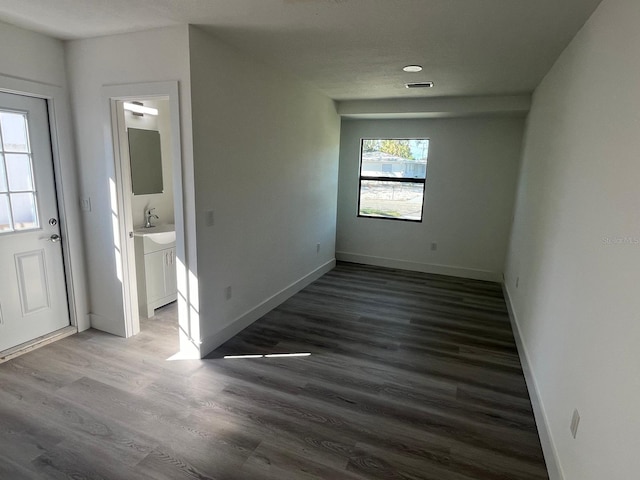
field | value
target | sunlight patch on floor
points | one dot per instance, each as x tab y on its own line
270	355
185	355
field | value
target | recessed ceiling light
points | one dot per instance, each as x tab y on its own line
412	68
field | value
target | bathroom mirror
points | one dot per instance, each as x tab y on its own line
146	161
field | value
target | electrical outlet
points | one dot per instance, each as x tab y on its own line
517	282
434	246
575	421
317	248
208	218
227	293
85	204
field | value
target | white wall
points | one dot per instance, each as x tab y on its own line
576	247
32	63
31	56
471	178
266	163
162	202
150	56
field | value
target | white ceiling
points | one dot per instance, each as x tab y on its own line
351	49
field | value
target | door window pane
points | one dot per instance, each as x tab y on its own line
3	180
14	132
5	218
19	172
23	207
18	204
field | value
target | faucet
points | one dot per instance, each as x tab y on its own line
149	215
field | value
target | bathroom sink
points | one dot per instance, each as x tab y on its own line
162	234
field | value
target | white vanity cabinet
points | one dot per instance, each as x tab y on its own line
155	270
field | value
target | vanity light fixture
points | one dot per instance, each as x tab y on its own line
412	68
139	109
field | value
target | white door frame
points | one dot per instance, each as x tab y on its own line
122	173
66	182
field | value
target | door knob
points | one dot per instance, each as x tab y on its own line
54	238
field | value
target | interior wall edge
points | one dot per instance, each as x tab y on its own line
549	449
452	270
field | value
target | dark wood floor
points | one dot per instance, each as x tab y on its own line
411	376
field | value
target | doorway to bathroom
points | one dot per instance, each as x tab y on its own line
147	203
146	149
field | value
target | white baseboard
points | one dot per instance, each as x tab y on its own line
212	342
420	267
549	450
86	324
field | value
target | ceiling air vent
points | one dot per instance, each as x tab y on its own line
419	85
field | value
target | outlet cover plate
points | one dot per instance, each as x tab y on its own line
208	218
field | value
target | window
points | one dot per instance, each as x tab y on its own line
18	210
393	174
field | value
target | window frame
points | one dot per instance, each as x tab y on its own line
400	180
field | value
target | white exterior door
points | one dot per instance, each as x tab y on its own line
33	296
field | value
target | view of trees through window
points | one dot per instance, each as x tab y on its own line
393	175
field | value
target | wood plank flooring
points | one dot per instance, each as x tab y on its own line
410	376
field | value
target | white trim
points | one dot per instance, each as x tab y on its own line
212	342
451	270
549	450
123	186
182	220
65	168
